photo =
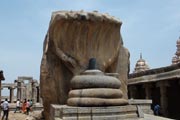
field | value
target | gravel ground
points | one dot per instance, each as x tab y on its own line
36	115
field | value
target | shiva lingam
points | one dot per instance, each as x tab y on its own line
95	88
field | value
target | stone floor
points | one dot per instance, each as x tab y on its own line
152	117
37	116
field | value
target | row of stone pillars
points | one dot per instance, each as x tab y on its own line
22	92
28	90
162	85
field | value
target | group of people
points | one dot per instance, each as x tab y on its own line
5	107
24	106
21	106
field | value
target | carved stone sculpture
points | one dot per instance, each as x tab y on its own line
72	39
94	88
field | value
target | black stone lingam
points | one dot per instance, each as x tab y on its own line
94	88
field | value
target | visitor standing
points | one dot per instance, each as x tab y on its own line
5	106
27	107
18	107
157	109
24	106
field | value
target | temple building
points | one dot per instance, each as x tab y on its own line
162	85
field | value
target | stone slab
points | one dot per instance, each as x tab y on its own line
94	113
128	112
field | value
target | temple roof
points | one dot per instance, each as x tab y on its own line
155	71
176	58
141	65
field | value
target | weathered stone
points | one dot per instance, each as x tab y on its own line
95	113
97	89
97	92
94	81
72	39
96	102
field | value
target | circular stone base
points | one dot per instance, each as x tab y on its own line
92	102
96	93
94	81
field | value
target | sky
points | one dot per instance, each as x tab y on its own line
150	27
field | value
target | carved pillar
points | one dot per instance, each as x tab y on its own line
23	91
38	95
148	90
11	95
19	90
163	97
133	91
34	91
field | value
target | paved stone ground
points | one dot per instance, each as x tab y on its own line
152	117
36	115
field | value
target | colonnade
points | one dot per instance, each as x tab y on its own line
28	90
158	91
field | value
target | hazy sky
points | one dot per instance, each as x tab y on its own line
149	26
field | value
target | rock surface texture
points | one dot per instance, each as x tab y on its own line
72	39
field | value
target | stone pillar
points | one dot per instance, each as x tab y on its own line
11	95
148	91
38	94
0	95
34	91
23	91
163	97
133	91
19	89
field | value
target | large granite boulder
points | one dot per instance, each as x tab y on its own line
72	39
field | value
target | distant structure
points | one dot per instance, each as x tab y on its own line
1	78
176	58
141	65
29	90
161	85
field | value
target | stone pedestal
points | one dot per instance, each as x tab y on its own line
93	88
63	112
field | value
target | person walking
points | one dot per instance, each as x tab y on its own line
27	107
5	106
18	107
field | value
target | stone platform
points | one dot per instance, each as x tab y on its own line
145	105
128	112
63	112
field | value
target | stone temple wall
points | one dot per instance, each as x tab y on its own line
72	39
